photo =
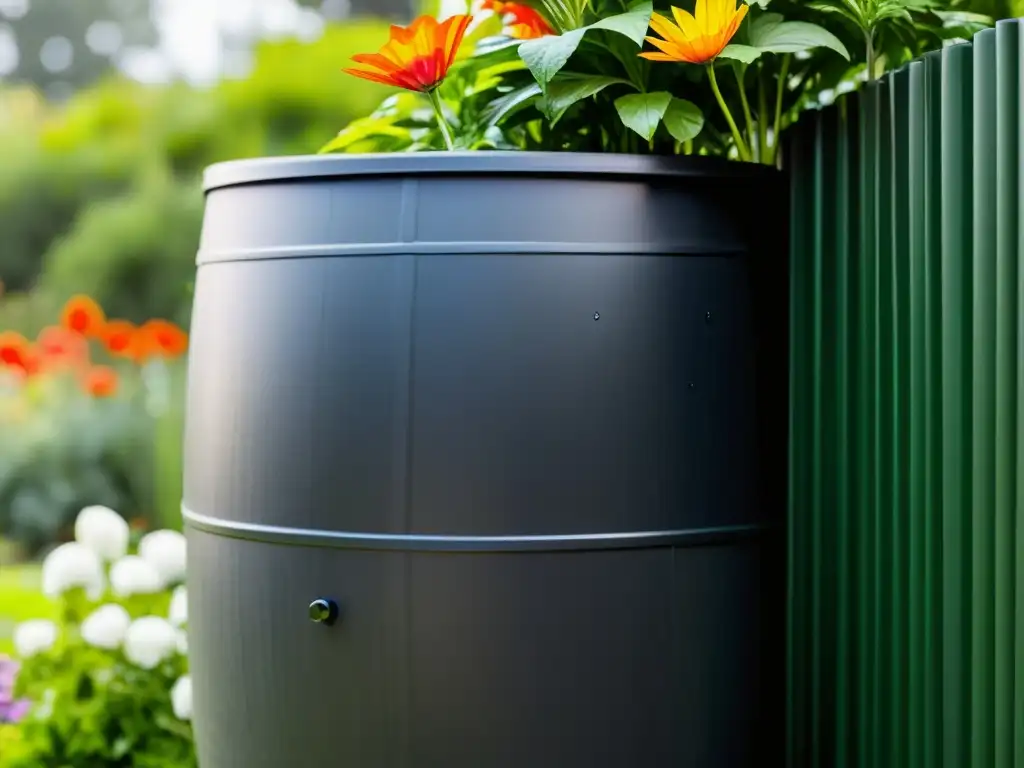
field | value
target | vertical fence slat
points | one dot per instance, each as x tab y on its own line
1018	695
801	158
956	454
983	397
933	404
898	205
845	339
885	370
865	435
916	186
817	461
1007	139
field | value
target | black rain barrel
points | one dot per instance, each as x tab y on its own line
522	419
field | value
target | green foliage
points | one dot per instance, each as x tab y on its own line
20	600
112	252
127	142
100	705
41	193
61	450
103	711
587	89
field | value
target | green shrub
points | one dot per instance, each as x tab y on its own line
41	194
135	255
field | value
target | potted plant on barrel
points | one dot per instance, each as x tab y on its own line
603	76
455	404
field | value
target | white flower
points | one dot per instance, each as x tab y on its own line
165	551
106	626
183	642
149	641
35	636
73	565
181	698
103	531
178	611
132	575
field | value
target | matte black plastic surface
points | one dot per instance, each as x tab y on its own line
523	417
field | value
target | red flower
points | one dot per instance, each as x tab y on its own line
82	315
416	57
522	21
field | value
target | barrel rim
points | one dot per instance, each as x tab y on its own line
554	164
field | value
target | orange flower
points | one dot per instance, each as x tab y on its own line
60	347
699	38
123	339
15	350
117	337
166	338
524	22
416	57
100	381
82	315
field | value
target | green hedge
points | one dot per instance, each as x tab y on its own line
104	194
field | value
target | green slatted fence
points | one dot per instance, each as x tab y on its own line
907	471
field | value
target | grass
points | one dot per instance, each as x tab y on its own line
21	599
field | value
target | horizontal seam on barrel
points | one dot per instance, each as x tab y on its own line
325	250
692	537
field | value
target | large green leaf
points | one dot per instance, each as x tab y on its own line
570	87
684	120
633	24
641	112
771	33
744	53
505	105
361	130
546	56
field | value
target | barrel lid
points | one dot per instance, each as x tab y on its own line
254	171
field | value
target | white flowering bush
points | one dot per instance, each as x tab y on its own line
107	686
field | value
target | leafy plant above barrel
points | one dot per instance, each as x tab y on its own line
709	77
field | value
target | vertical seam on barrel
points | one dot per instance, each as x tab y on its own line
407	233
407	224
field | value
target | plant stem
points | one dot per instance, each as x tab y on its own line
747	116
442	123
777	125
762	116
869	53
741	146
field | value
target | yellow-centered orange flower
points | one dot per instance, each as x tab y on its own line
416	57
523	22
699	38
